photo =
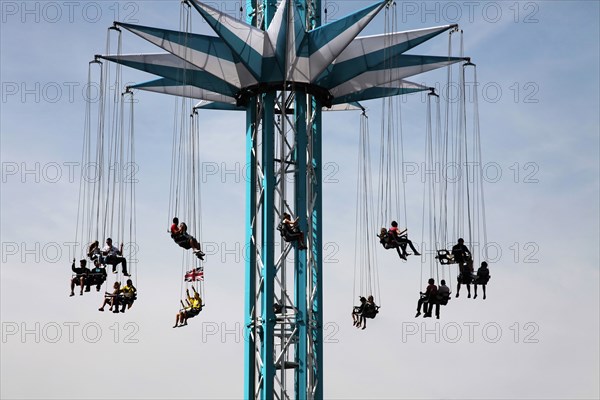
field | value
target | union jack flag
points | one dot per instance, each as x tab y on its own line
196	274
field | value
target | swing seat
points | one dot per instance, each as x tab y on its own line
393	245
390	242
466	269
442	299
400	239
96	279
465	279
97	256
123	299
78	280
287	365
287	234
185	245
445	257
191	313
424	297
183	240
481	280
370	312
388	245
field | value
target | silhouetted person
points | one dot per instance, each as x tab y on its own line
81	276
370	310
464	278
429	295
441	298
462	256
461	253
357	312
482	278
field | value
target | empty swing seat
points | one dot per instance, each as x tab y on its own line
445	257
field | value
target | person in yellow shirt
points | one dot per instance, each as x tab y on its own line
129	293
193	308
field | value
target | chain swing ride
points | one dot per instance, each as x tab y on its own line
282	67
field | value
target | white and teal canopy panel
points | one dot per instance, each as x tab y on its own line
243	60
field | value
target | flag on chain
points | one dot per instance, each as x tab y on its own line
196	274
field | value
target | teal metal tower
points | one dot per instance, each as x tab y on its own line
283	68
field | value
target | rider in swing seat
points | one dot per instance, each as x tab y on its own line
183	239
290	232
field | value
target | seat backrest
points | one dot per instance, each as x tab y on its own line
282	228
370	310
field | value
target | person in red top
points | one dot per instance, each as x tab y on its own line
401	237
175	227
183	239
429	295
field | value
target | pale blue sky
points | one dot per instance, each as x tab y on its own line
542	56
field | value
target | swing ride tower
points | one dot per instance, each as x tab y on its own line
283	68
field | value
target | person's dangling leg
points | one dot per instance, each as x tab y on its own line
123	261
402	256
402	245
81	285
419	305
412	247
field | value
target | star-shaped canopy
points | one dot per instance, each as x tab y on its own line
330	62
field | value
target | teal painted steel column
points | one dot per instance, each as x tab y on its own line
267	230
268	240
251	13
317	247
301	281
317	225
250	278
269	8
250	293
316	17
